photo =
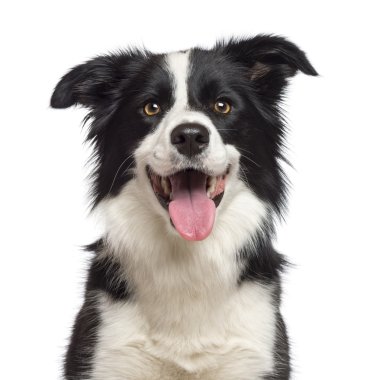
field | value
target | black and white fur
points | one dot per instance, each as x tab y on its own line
158	306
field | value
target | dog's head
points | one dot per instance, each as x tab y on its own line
187	126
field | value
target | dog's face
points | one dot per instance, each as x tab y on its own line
189	125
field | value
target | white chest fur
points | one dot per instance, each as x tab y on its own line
233	341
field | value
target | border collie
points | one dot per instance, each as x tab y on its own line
184	282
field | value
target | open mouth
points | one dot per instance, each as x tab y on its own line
191	198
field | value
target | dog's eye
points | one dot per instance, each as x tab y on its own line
152	109
222	106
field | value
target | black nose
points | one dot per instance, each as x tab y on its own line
190	139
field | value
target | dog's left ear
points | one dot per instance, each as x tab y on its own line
271	61
90	84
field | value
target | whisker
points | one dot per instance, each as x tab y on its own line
245	150
144	159
127	168
244	175
117	172
249	159
246	157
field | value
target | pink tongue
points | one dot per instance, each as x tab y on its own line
191	211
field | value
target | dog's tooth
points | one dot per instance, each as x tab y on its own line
163	184
212	182
166	185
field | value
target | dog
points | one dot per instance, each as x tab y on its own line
185	282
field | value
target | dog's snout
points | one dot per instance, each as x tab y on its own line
190	139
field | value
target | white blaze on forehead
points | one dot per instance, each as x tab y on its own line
178	66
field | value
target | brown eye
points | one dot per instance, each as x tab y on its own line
222	107
152	109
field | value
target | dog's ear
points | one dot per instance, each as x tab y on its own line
91	83
271	61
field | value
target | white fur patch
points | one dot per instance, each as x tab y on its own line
178	65
231	338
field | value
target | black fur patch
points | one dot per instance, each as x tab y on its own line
105	277
105	274
261	262
282	367
79	356
115	89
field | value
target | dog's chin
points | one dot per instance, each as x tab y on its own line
190	197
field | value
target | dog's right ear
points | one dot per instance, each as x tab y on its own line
91	83
270	60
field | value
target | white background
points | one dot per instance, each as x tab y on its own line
329	298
